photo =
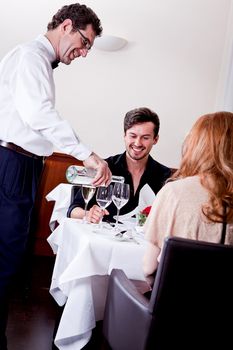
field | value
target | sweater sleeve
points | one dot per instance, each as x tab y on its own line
161	219
158	226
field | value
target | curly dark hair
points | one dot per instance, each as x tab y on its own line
141	115
80	15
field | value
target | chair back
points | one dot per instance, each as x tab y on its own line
191	304
192	296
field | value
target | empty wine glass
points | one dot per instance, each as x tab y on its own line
120	196
104	198
87	193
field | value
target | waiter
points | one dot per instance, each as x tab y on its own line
31	127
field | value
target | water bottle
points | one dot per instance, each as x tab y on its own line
79	175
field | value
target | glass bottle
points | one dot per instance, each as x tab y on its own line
79	175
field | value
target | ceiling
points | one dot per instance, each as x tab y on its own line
135	20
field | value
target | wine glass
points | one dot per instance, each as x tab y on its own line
104	198
88	192
120	197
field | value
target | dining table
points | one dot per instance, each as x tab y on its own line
85	256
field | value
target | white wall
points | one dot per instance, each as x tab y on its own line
173	64
224	99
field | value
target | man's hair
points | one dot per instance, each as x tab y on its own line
80	15
139	116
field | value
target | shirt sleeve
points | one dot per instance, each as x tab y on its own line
34	97
78	201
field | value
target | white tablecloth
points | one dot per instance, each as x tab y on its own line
83	262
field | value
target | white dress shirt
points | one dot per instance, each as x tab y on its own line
28	116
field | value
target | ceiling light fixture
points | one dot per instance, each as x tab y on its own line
109	43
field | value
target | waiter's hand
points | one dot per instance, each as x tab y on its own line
103	174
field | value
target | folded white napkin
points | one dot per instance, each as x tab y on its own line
146	198
61	195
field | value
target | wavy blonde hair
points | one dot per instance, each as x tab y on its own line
208	152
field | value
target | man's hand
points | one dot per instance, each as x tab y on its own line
103	174
95	214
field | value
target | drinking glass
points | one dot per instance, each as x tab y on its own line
104	198
88	192
120	197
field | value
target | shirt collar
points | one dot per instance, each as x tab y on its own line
47	46
122	161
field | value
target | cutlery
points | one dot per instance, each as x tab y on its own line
128	236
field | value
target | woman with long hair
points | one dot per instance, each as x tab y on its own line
198	198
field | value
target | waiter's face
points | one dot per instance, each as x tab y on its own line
73	44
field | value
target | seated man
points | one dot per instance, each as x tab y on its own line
141	127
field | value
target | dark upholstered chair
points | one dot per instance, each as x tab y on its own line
191	305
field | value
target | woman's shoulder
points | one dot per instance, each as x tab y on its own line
185	182
187	185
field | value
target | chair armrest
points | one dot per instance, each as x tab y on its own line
127	318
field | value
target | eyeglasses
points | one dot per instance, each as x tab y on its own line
85	41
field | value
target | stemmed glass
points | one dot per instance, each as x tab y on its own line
120	197
88	192
104	198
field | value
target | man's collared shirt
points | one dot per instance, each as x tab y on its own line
28	116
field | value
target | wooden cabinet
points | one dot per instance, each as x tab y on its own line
53	174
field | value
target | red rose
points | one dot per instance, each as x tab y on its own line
146	210
142	215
